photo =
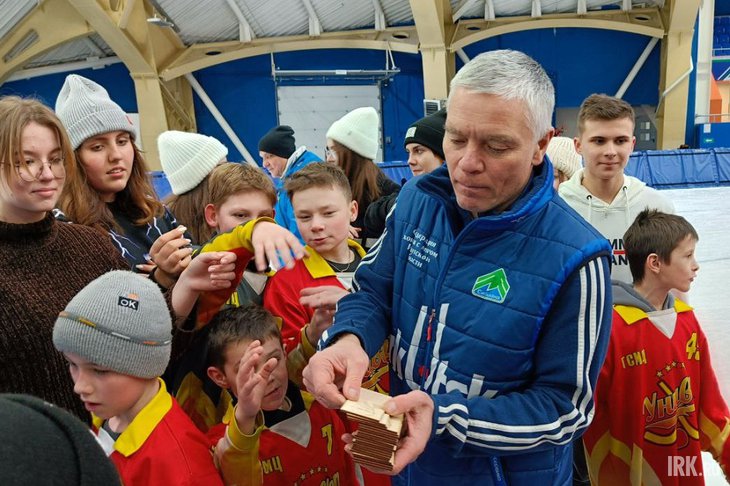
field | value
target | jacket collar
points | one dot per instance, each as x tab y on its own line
632	315
318	266
535	195
292	160
137	433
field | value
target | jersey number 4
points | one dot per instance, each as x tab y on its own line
692	351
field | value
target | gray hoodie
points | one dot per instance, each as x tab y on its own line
612	220
665	319
625	294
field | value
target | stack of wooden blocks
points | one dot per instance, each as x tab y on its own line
377	434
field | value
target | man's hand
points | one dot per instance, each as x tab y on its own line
206	272
251	381
275	244
418	409
340	366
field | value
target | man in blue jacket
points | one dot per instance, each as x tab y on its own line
495	296
281	158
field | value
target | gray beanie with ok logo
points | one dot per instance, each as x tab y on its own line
120	321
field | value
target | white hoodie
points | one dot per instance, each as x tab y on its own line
612	220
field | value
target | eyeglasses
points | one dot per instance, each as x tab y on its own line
330	153
32	169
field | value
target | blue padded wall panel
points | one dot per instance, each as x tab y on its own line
569	55
723	164
244	93
114	78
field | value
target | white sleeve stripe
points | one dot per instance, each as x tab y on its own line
460	435
370	256
462	420
368	259
516	429
581	351
595	327
592	292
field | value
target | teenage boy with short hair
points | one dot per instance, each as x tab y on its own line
237	193
601	192
657	398
324	209
306	296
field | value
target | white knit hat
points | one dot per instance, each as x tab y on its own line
358	131
561	151
85	109
187	158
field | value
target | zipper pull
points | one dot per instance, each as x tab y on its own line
430	321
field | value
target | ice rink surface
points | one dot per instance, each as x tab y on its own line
708	209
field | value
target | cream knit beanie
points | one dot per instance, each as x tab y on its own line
358	131
85	109
187	158
561	151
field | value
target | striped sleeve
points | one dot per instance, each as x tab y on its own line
558	405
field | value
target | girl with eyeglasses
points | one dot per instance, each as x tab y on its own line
108	187
43	263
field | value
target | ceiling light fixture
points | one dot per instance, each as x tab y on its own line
160	21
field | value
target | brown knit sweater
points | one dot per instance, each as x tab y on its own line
42	266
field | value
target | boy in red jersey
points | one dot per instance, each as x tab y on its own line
116	335
277	434
658	404
304	297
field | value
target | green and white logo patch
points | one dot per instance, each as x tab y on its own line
492	286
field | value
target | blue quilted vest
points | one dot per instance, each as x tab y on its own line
469	305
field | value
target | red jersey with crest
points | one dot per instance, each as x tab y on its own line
281	298
300	446
658	404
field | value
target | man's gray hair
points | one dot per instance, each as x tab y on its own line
511	75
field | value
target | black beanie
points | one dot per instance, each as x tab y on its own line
429	132
278	141
43	445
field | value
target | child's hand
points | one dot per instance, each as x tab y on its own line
206	272
210	271
324	302
276	244
354	232
325	296
322	320
171	252
251	381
